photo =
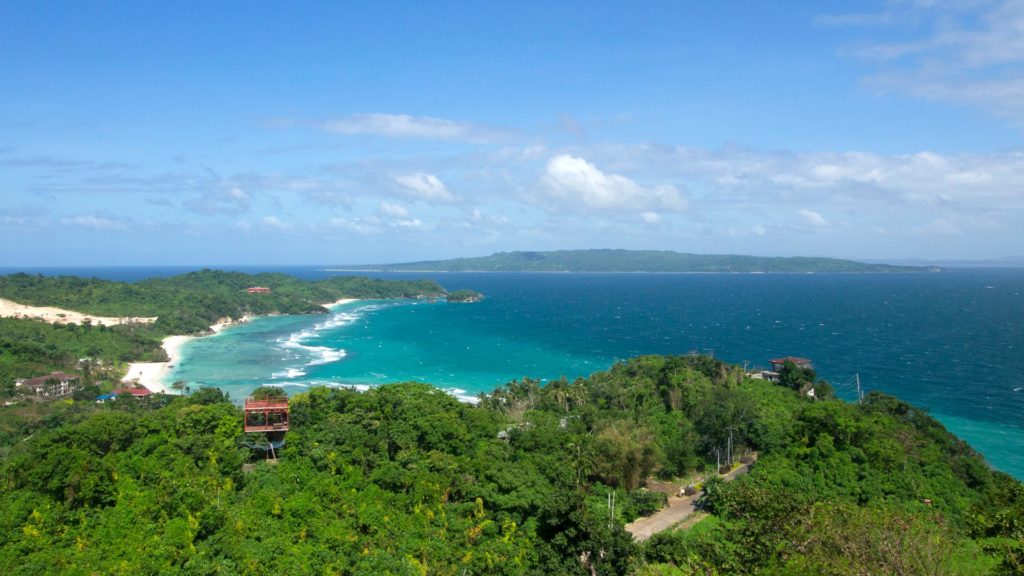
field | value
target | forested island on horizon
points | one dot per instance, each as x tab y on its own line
618	260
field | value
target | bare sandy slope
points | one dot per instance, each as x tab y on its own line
12	309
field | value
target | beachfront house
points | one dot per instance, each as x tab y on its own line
136	392
53	385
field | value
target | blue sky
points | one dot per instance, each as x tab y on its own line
261	133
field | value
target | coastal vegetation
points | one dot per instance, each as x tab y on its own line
185	304
190	303
96	353
638	261
404	479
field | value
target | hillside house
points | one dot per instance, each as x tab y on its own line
53	385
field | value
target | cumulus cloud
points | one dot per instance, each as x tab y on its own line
651	217
405	126
392	210
571	180
920	179
813	218
423	186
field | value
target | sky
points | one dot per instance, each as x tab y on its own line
205	133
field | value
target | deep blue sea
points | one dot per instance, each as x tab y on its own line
950	342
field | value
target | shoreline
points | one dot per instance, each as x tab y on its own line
152	375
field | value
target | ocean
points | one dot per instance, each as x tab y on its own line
949	342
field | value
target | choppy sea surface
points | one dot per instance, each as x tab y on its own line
950	342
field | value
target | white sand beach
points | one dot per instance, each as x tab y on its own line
152	374
340	302
12	309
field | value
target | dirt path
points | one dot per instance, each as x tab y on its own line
678	509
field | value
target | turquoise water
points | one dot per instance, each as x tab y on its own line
948	342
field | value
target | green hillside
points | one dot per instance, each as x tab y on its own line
189	303
638	261
404	479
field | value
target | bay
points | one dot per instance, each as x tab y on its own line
948	342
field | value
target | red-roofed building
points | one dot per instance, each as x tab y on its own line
136	392
259	290
778	363
266	415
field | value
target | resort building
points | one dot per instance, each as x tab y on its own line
136	392
259	290
53	385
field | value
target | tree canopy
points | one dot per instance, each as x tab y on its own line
405	479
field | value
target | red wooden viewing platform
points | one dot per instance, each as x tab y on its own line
268	415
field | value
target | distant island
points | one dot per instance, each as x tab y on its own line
640	261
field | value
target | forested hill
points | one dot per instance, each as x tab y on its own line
191	302
638	261
404	479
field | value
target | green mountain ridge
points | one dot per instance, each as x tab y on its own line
614	260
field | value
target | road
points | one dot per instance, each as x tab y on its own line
679	508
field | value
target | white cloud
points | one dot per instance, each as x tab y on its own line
392	210
95	222
813	218
405	126
275	223
411	223
425	187
357	225
574	181
650	217
972	53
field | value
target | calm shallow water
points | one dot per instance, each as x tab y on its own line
950	342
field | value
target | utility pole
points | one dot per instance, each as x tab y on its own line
729	458
860	393
718	460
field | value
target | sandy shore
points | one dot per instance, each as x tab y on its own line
152	374
12	309
340	302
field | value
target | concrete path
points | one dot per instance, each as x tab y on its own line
679	508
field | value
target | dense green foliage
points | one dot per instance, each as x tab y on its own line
638	261
29	348
403	479
191	302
